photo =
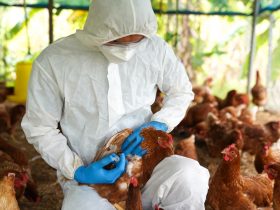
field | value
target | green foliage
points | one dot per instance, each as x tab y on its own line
261	40
200	49
77	19
19	26
6	37
221	88
270	3
198	58
169	36
219	5
276	62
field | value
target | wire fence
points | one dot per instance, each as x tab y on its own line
170	7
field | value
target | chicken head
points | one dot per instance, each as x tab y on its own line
230	153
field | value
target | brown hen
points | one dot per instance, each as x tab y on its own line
259	92
273	171
7	193
202	94
233	98
198	113
16	114
13	160
156	106
186	148
267	154
5	121
228	188
158	144
255	134
220	135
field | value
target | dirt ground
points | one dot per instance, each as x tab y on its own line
44	175
50	191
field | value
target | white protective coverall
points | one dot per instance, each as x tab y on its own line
73	83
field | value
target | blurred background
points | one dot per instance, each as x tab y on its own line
212	37
222	43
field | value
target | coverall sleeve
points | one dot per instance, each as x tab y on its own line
175	84
40	123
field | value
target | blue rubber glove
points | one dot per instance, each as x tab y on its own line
132	144
96	174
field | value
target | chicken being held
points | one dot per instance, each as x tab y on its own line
259	92
158	144
118	191
228	188
273	171
8	199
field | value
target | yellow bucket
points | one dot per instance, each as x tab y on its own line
23	71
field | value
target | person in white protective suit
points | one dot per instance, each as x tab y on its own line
98	82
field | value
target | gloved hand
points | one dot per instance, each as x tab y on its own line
96	174
132	144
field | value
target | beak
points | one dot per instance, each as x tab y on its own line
224	152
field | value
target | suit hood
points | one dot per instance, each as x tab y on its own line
113	19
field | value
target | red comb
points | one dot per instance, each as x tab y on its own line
232	146
134	181
266	147
170	138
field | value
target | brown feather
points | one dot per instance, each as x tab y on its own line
186	148
228	186
140	168
7	193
